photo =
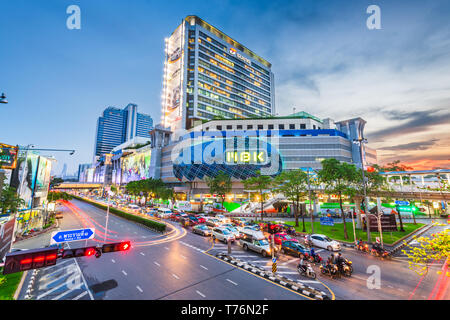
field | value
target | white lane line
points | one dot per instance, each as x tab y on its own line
242	256
183	256
50	291
113	261
317	251
84	280
359	278
50	274
290	261
256	261
277	267
232	282
123	271
308	281
68	291
81	295
157	263
287	272
143	254
175	276
204	267
139	288
47	284
166	248
198	292
391	287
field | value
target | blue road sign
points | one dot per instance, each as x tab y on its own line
326	221
72	235
274	259
401	203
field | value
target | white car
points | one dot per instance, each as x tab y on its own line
234	231
323	241
223	234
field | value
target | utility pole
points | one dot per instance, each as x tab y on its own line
361	141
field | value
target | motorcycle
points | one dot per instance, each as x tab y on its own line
383	254
316	259
306	271
333	272
364	247
347	268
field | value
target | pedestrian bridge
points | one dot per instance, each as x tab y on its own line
78	185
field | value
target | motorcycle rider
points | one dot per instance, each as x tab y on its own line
378	248
301	265
340	263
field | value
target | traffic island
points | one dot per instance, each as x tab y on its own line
281	280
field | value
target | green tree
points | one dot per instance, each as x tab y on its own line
54	182
260	184
339	179
133	188
53	196
220	185
10	202
293	185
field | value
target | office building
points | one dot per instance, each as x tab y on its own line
116	126
209	75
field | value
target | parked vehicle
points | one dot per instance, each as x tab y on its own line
322	241
213	222
222	234
164	213
294	248
234	231
202	230
280	237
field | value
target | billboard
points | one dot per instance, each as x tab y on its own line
173	75
23	177
136	166
43	174
8	156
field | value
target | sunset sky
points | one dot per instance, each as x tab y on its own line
325	60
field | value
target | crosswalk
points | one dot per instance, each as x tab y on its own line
63	281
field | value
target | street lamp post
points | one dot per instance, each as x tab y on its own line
360	141
3	99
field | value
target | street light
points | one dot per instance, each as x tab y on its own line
3	99
361	141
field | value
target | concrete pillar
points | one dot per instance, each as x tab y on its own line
379	208
358	212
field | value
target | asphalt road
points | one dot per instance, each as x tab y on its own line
151	269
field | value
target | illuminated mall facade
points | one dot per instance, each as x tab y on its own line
218	114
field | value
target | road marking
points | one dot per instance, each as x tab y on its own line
81	295
68	291
287	272
390	286
198	292
183	256
320	250
49	275
255	261
50	291
157	263
359	278
308	281
47	284
137	287
166	248
277	267
290	261
143	254
232	282
204	267
84	280
123	271
175	276
113	261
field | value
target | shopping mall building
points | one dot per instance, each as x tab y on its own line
218	114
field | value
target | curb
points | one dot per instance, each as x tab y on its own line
281	280
405	243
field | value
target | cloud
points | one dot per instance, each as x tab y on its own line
421	145
416	121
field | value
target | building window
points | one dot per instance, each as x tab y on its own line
260	127
292	126
270	126
249	127
219	127
314	126
239	127
302	126
281	126
229	127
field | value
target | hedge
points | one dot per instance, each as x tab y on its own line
157	226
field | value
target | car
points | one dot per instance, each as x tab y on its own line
280	237
175	216
253	227
213	223
222	218
323	241
294	248
256	241
197	220
164	213
234	231
240	222
201	229
222	234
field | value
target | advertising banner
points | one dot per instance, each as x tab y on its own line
6	234
8	156
23	176
173	80
136	166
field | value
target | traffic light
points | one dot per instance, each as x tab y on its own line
79	252
29	259
117	246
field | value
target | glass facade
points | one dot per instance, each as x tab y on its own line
220	78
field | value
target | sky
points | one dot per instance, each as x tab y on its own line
324	58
